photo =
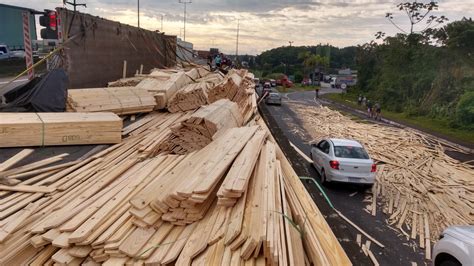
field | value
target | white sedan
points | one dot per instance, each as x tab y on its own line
343	160
455	246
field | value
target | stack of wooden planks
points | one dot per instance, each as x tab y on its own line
119	100
235	201
422	189
190	97
164	84
46	129
203	125
228	87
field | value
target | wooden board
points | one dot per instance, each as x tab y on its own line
45	129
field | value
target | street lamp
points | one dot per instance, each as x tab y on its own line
185	2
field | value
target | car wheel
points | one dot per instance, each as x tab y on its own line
449	262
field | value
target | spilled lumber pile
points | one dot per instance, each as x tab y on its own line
104	214
164	84
190	97
48	129
200	128
195	94
422	189
119	100
236	200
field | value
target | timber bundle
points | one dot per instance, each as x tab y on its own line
234	200
51	129
423	190
120	100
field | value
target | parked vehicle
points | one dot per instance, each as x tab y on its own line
274	97
343	80
257	82
343	160
455	246
17	54
285	82
4	52
273	83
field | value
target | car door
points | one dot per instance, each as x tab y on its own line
324	154
317	153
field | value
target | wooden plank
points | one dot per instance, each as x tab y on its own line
28	188
15	159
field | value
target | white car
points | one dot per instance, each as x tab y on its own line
455	247
343	160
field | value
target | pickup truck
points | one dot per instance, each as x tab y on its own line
4	52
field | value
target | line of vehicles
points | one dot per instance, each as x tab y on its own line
268	91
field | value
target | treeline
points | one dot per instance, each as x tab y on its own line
423	75
290	60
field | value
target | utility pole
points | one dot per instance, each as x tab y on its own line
73	4
185	2
291	42
237	42
138	12
161	23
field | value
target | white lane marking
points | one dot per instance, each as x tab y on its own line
18	80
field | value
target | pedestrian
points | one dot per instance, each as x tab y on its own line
316	89
218	60
209	61
377	111
359	100
364	100
369	108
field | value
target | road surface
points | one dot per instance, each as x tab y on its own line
348	199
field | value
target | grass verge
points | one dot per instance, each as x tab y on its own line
425	123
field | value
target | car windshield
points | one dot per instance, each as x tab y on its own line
350	152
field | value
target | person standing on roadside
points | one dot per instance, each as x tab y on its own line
316	89
364	100
377	111
369	108
218	60
359	100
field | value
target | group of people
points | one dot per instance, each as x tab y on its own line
218	61
373	110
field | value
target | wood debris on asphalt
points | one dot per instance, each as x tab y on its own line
236	200
419	186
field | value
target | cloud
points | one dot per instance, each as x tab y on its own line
264	24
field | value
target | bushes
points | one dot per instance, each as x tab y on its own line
465	110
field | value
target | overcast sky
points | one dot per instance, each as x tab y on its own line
264	24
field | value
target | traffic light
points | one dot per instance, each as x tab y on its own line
49	21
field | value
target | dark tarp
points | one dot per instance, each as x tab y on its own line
44	94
